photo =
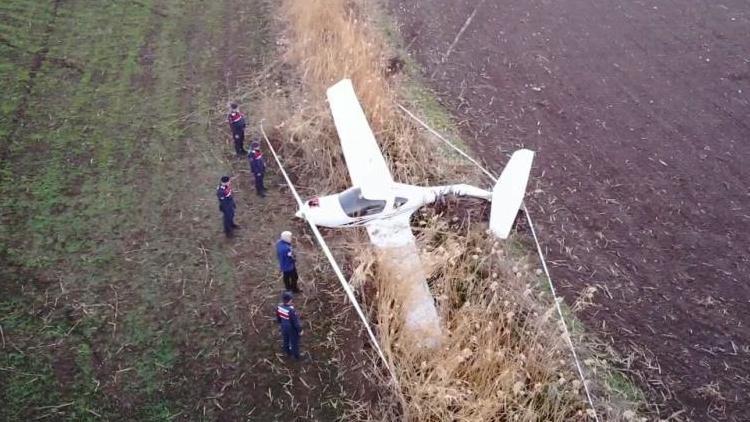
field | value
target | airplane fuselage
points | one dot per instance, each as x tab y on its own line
350	208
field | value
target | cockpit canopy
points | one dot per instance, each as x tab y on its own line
355	205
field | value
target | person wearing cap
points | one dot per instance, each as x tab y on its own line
291	329
257	167
226	205
287	261
237	124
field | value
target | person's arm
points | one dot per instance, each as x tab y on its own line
280	256
295	321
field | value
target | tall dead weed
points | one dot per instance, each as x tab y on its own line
505	356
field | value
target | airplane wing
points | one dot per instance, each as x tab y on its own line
397	247
367	167
391	232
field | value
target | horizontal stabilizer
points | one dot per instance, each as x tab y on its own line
509	191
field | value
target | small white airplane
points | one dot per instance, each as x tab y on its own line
384	206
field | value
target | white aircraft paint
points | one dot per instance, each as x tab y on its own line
508	193
384	207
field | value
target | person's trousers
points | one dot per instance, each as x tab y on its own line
239	141
259	188
228	213
291	342
290	280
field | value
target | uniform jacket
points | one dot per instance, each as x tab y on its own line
285	253
224	194
236	120
257	165
287	317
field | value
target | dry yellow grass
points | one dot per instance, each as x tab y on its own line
504	357
326	41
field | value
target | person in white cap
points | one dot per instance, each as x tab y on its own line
287	261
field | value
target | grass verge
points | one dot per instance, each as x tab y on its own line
120	298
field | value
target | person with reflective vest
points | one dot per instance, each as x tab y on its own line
226	205
287	261
258	168
237	124
291	329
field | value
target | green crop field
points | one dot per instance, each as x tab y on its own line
120	299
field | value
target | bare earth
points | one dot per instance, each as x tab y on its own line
640	117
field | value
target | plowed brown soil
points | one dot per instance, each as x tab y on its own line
640	117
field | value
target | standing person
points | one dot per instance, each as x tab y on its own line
237	124
287	261
258	168
226	205
291	329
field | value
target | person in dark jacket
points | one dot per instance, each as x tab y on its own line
287	261
226	205
291	329
237	124
258	168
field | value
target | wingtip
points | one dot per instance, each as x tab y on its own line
525	152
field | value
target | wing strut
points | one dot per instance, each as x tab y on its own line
344	284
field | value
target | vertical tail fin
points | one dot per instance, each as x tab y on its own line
508	193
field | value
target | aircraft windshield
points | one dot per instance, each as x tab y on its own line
355	205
